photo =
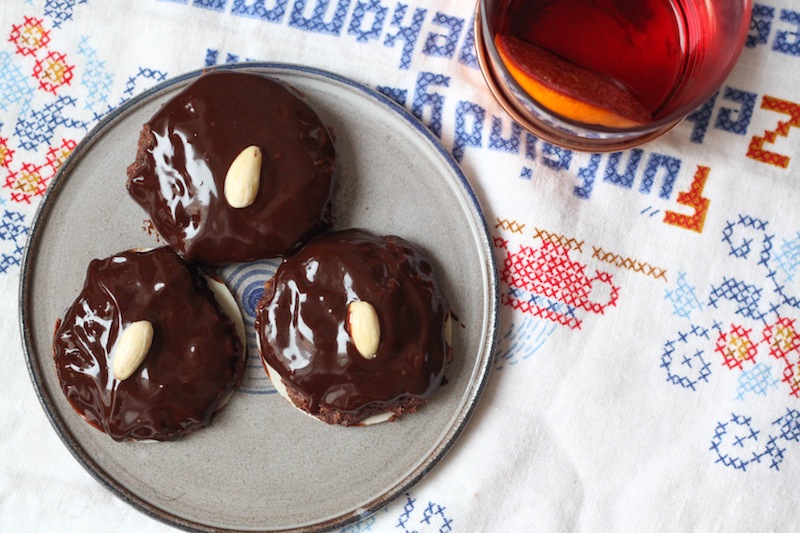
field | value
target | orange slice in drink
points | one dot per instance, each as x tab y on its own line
567	89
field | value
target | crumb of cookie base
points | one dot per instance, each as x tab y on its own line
354	329
151	348
235	167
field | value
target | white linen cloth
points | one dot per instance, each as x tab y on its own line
648	364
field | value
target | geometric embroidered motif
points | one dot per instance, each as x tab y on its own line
683	298
546	282
29	37
96	79
53	72
13	235
684	360
433	516
15	88
61	11
524	338
37	127
757	380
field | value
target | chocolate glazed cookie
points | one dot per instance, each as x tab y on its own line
191	367
354	327
186	149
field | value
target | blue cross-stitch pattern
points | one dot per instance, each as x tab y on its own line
587	174
96	78
788	41
425	98
746	230
443	45
13	234
498	142
746	297
522	340
214	5
61	11
671	166
15	88
736	121
757	380
212	58
684	358
316	22
258	9
734	442
468	112
760	25
701	117
764	297
371	9
683	297
408	508
398	95
556	157
37	127
787	258
433	518
625	178
782	267
435	513
408	33
468	56
789	425
144	76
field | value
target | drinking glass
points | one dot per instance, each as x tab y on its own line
606	38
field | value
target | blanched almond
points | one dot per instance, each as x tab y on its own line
365	328
131	349
243	178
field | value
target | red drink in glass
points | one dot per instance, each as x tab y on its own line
664	57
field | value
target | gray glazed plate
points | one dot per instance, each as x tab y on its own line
262	465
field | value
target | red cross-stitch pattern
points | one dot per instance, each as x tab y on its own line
552	281
56	156
736	347
29	37
31	180
26	183
756	149
692	198
53	72
784	343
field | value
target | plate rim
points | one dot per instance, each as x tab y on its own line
476	386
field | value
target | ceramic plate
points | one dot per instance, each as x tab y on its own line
262	465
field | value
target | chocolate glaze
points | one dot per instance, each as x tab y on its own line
184	153
301	321
195	360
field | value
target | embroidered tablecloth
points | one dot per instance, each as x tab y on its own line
647	369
